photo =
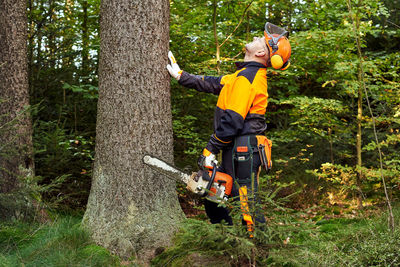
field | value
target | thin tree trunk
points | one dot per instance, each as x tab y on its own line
68	39
356	28
31	45
85	41
359	143
331	144
132	210
247	28
217	46
51	38
39	59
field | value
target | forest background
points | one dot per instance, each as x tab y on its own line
313	114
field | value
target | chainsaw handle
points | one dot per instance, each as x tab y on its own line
214	171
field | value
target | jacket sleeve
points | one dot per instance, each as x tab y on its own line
238	102
207	84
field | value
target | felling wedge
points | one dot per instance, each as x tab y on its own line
215	186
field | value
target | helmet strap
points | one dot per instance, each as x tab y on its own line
273	45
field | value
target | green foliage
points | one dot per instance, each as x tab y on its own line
342	242
66	158
87	91
211	241
59	243
313	105
293	239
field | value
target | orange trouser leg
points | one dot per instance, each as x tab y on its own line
245	209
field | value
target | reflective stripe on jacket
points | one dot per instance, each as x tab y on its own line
241	105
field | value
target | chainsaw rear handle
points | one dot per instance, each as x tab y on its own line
211	181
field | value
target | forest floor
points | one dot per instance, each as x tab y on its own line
291	239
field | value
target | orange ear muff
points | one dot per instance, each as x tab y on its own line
276	61
286	65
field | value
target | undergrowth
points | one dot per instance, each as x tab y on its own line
363	241
290	239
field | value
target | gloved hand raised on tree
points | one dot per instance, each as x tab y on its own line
173	68
207	160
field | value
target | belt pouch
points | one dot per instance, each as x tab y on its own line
243	159
264	146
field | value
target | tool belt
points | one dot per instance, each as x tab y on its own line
243	150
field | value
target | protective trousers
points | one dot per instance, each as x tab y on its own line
242	162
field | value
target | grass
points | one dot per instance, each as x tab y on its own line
290	240
59	243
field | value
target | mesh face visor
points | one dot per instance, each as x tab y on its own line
275	33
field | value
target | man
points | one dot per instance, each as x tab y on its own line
239	120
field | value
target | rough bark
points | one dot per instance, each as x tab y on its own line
131	209
15	124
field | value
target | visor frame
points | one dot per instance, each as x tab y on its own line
271	29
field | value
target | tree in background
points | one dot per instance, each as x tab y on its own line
131	209
15	125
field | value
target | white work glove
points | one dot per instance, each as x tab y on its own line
207	160
173	68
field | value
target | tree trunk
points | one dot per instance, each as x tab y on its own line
85	41
217	46
359	126
359	144
132	210
15	124
248	28
16	160
51	42
361	79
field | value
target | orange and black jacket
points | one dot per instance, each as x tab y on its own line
241	103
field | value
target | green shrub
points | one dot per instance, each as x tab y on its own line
67	158
217	244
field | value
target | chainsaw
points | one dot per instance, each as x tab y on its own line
210	183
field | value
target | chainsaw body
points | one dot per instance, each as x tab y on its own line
215	186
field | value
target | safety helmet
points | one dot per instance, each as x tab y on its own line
278	45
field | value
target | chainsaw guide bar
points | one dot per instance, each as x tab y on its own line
162	167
